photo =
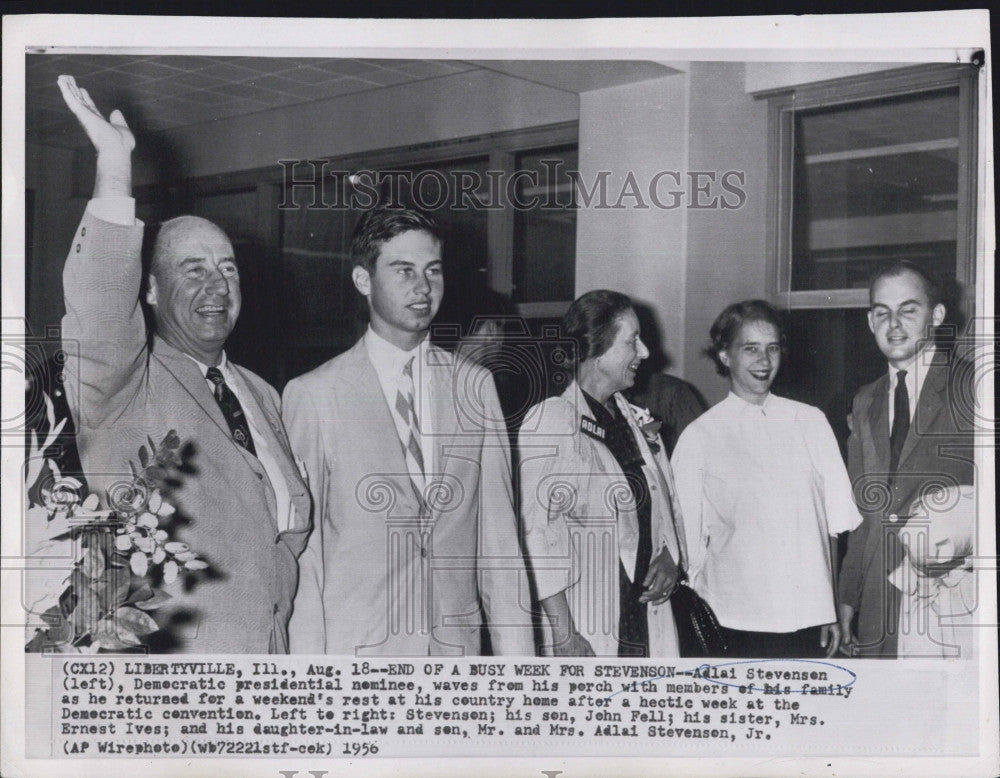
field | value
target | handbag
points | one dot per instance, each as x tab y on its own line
698	629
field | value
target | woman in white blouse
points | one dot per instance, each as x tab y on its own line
763	491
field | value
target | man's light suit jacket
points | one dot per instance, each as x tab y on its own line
121	390
937	452
386	573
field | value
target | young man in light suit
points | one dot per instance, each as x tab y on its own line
409	465
244	501
912	431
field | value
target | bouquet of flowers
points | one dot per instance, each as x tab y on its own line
120	557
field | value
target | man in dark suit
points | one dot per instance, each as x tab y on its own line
910	435
243	498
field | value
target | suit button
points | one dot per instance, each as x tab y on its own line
275	607
260	476
77	248
83	231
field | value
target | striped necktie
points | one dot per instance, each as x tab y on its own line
410	432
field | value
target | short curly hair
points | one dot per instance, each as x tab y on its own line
592	322
727	326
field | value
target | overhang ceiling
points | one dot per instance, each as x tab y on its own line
171	91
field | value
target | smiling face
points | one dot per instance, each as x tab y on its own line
194	288
404	290
753	359
616	367
902	318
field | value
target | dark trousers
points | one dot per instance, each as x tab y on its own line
802	644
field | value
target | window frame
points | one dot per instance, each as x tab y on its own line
782	106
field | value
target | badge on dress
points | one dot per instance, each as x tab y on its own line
590	427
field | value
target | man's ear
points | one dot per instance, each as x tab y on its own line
151	291
871	321
362	280
938	314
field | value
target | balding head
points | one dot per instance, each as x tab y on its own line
194	287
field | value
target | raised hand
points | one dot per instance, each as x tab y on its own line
111	137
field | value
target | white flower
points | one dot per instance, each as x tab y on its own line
139	563
170	572
641	415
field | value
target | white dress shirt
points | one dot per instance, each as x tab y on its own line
284	508
389	361
916	372
761	488
121	210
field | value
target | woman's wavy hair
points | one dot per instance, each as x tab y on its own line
592	322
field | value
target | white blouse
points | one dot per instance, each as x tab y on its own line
761	488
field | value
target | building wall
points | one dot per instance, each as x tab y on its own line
634	132
761	76
726	247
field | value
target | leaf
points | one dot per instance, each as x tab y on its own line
152	603
196	564
165	509
159	555
139	563
143	592
53	616
112	638
135	621
171	440
91	502
93	562
123	542
145	545
143	456
184	556
147	520
176	547
50	409
116	590
155	501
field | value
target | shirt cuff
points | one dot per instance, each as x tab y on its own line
115	210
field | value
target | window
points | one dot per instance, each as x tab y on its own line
865	170
870	169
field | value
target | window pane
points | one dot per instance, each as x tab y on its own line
545	232
831	354
874	181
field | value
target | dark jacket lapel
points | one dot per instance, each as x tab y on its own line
930	403
878	422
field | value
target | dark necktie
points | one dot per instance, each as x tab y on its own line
231	409
900	420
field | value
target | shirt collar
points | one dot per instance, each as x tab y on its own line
744	408
223	364
387	356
